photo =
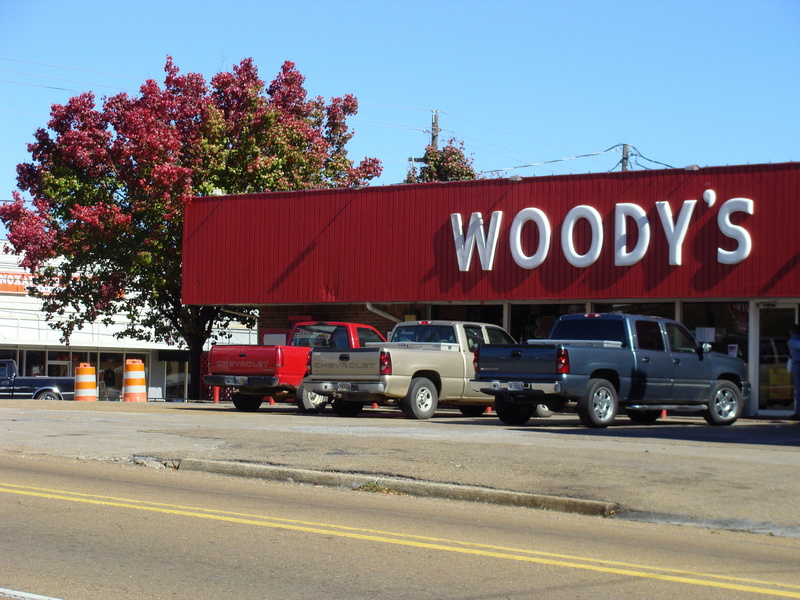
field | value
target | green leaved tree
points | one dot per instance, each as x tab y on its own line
448	164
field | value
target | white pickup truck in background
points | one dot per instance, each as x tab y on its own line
424	364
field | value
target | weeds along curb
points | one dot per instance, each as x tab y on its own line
405	486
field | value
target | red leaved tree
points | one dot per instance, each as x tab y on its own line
102	230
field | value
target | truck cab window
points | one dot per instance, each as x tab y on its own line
498	336
474	337
648	334
680	340
367	335
339	338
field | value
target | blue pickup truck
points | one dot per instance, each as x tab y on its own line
16	387
599	363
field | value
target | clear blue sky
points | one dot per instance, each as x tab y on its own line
519	82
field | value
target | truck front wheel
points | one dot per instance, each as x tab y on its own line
725	404
512	413
421	400
598	406
246	403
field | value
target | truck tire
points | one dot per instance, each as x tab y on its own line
543	411
246	403
725	404
308	402
48	395
643	417
598	406
421	400
512	413
347	408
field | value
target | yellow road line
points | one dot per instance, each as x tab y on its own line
430	543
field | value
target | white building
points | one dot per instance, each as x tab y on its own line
26	337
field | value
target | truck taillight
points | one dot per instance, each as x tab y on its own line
308	364
386	363
475	360
278	357
562	361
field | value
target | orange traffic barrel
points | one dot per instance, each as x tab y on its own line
134	388
85	383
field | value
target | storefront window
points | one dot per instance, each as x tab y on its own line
176	379
775	391
534	321
112	375
55	369
724	325
35	361
79	358
650	309
8	354
489	313
58	363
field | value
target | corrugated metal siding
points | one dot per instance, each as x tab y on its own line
395	243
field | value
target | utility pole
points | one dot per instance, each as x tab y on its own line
624	157
435	131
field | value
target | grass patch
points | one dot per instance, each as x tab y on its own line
376	488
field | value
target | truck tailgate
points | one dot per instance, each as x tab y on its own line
242	360
516	360
345	363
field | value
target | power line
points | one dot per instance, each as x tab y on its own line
49	87
116	87
546	162
29	62
640	155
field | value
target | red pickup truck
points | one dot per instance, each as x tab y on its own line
278	371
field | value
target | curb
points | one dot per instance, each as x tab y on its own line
406	486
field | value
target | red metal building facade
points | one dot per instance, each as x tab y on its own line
722	232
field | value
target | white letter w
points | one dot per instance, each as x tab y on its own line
475	236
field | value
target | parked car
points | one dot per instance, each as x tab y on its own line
598	363
256	372
15	386
425	364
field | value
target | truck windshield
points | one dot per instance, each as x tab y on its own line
317	335
424	333
589	329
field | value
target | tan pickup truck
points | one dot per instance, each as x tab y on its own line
424	364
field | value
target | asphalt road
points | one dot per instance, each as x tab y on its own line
677	471
90	530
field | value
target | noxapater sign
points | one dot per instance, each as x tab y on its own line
714	233
478	237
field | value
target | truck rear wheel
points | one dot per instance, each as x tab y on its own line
48	395
246	403
347	408
308	402
725	404
512	413
421	400
598	406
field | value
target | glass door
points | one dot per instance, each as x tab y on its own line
775	390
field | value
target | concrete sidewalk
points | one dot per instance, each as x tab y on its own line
680	470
